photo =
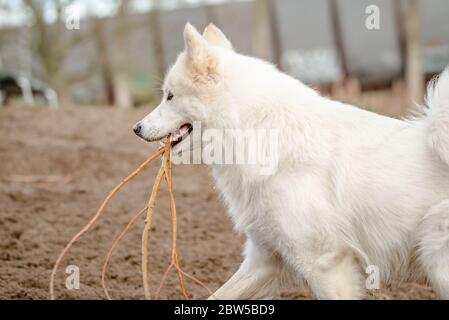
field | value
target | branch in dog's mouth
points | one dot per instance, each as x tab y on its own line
181	133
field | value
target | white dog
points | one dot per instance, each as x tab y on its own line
352	188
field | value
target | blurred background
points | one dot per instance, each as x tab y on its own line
115	52
75	75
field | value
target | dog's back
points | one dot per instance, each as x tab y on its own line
437	115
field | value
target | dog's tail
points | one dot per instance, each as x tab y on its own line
437	115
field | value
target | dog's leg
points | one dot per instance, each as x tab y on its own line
257	278
434	247
335	275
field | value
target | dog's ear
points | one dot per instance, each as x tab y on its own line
201	58
193	41
216	37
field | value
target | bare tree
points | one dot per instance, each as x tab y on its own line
51	46
156	36
104	58
122	93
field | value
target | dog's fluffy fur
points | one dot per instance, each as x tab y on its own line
352	188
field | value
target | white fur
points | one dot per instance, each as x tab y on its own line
352	188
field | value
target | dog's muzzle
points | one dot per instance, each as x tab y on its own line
177	136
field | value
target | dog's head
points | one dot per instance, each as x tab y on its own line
193	89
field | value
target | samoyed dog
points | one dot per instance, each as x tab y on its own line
356	199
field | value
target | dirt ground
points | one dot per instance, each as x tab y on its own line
57	167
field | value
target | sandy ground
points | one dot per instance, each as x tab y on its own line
56	168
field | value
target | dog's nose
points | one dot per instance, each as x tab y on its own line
137	128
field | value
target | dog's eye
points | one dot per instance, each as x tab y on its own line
170	96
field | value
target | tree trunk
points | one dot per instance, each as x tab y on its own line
104	59
156	37
122	96
338	40
122	93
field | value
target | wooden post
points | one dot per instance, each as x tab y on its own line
211	14
122	93
399	22
338	38
262	41
104	57
414	72
156	37
275	38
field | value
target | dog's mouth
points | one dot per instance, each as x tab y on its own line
181	133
